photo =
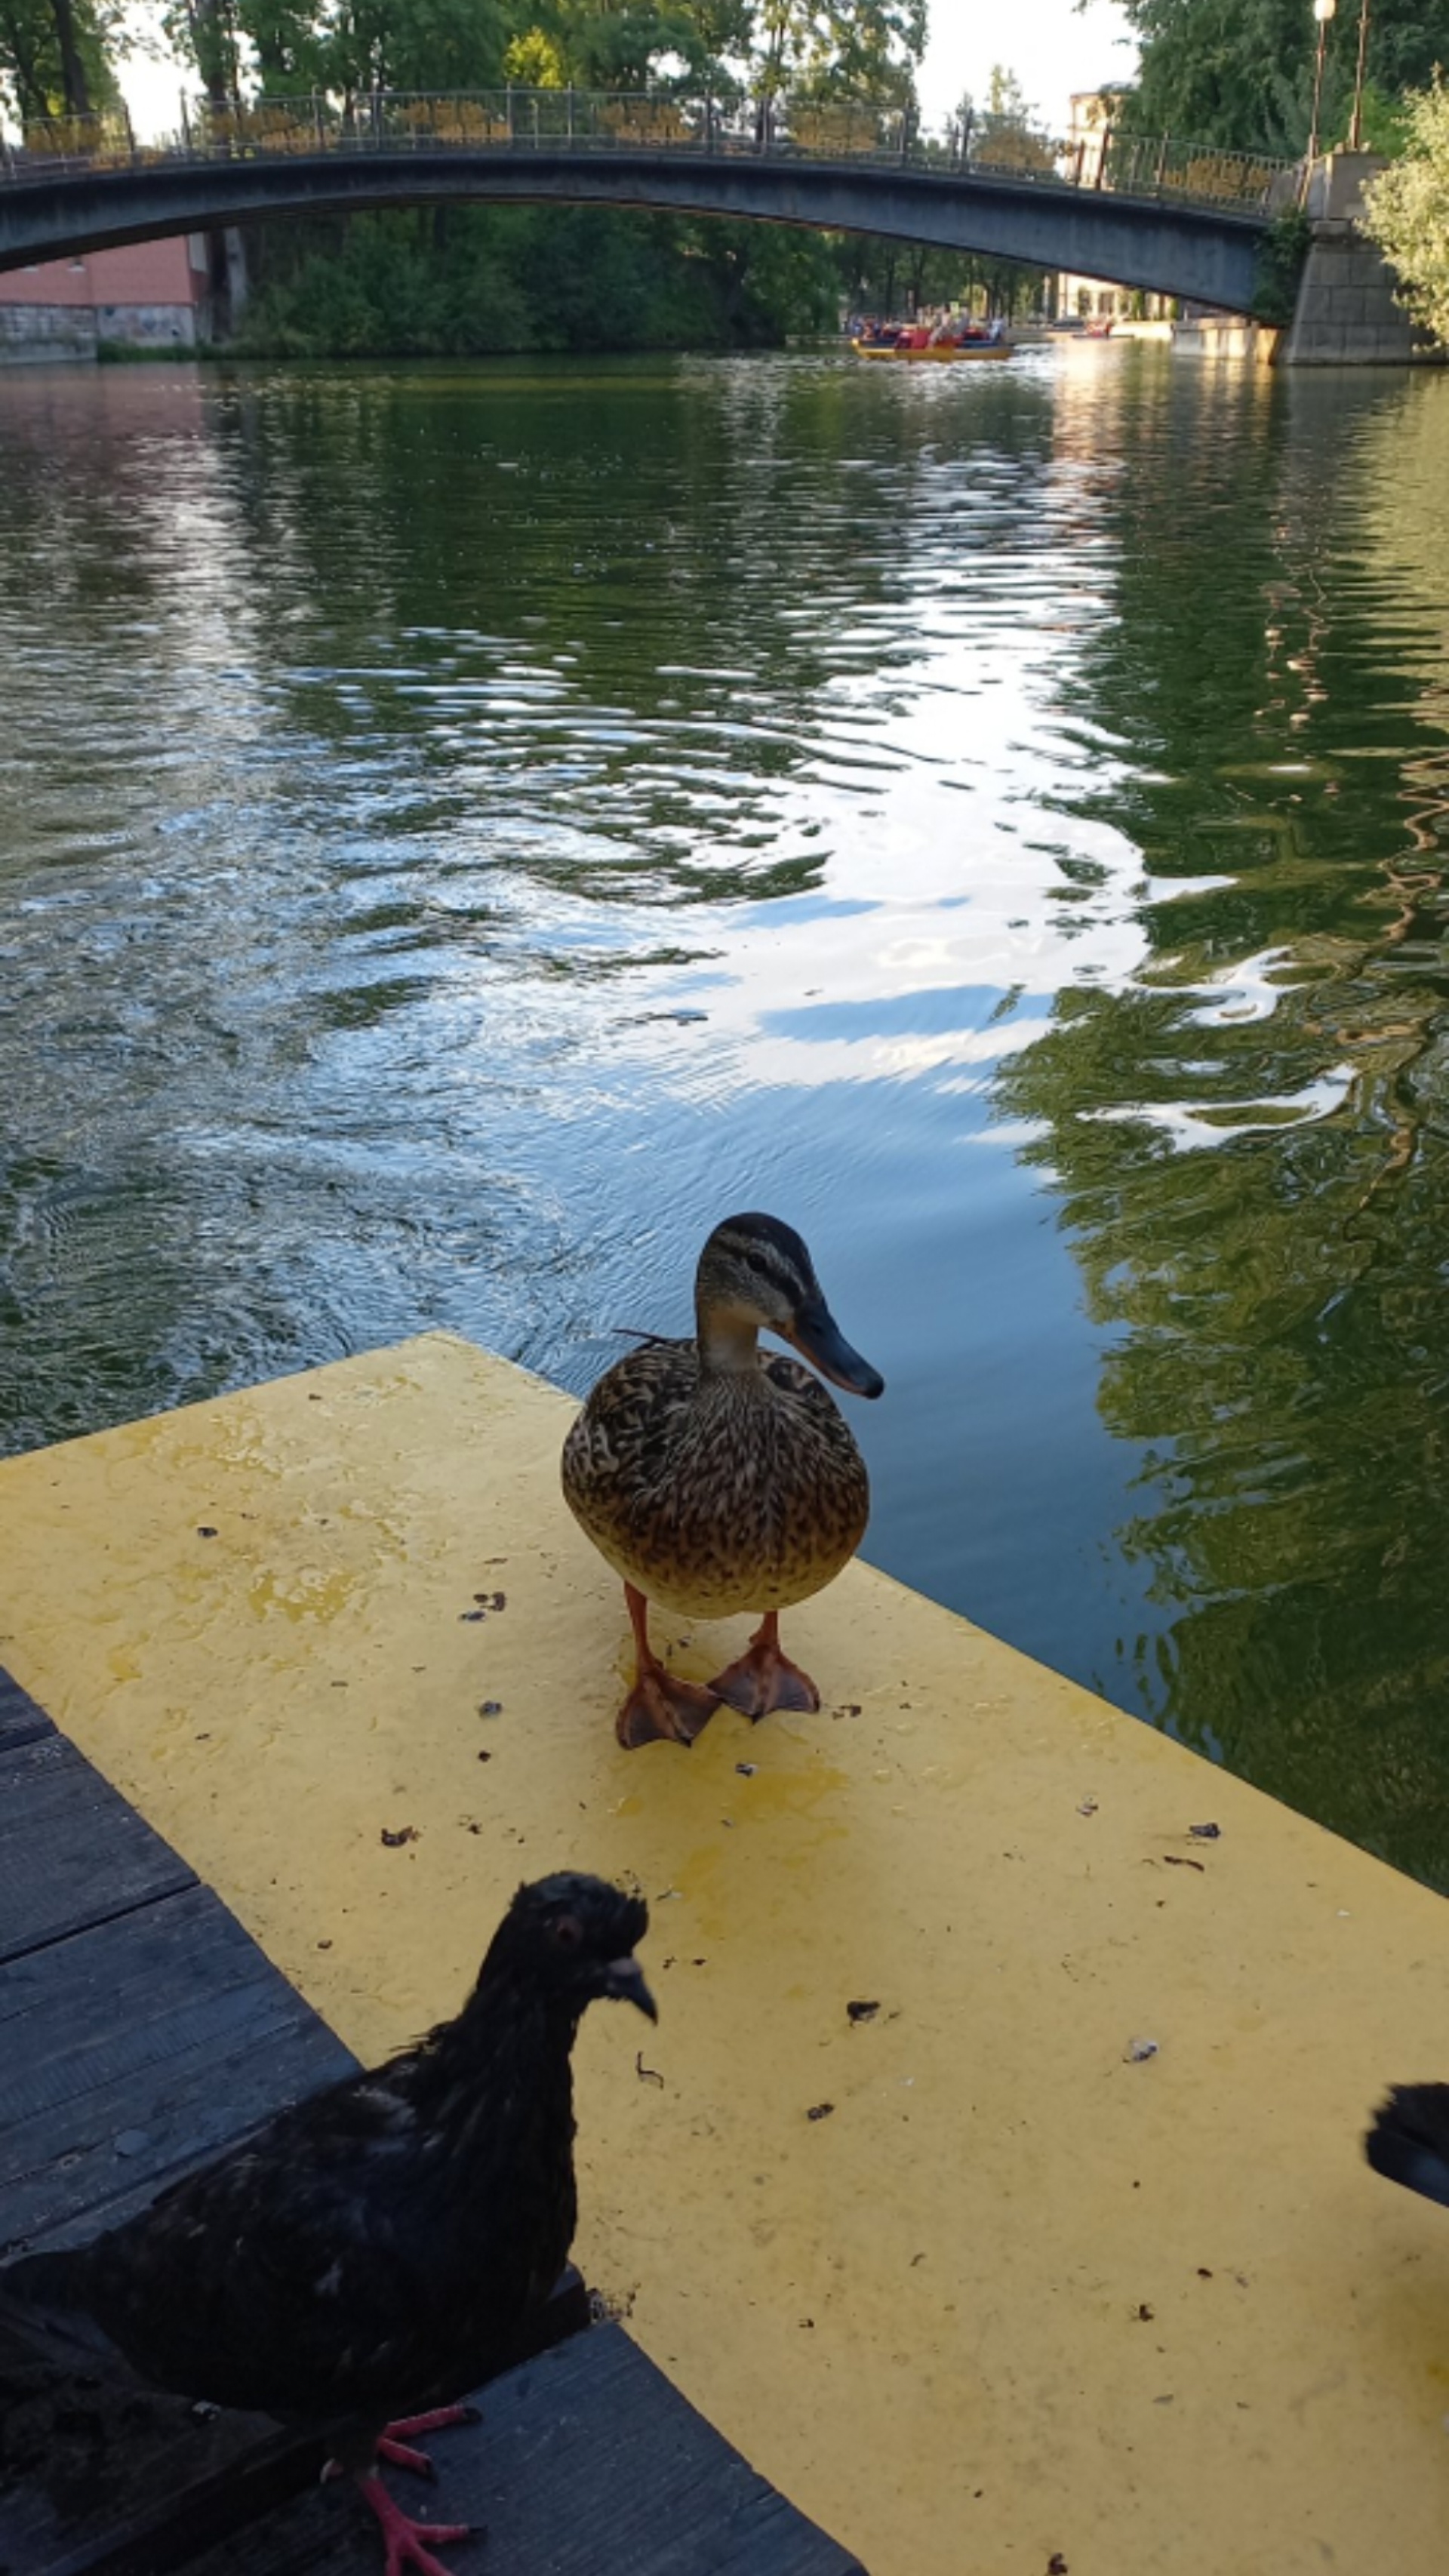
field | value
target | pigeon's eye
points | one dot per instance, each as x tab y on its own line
568	1933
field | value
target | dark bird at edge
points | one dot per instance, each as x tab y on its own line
374	2251
1409	2140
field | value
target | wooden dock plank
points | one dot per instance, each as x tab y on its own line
72	1852
136	2049
103	2477
122	1995
21	1720
587	2462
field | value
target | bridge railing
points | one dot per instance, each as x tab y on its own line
1160	166
518	120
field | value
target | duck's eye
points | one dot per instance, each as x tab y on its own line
568	1933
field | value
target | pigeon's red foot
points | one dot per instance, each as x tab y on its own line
764	1679
394	2446
407	2542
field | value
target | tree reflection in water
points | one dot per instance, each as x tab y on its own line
1249	1138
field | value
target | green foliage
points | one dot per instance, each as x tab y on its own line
1385	121
414	44
533	60
56	57
1006	98
834	48
1280	266
1408	211
1240	72
473	281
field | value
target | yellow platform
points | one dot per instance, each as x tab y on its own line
1012	2294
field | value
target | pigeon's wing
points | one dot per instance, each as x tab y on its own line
40	2323
1409	2141
293	2276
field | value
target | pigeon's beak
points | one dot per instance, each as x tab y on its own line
624	1979
818	1338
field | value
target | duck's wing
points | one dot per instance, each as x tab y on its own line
625	1434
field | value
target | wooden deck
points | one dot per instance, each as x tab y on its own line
140	2030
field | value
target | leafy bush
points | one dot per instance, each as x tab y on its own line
1280	266
1406	206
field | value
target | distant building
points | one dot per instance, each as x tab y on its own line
1093	299
150	295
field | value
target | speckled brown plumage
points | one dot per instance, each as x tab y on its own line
714	1494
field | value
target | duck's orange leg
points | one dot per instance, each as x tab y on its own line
660	1707
764	1678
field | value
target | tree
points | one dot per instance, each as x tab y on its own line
1407	206
1239	73
1008	136
56	57
605	46
865	49
534	60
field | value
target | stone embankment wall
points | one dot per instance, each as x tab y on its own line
40	334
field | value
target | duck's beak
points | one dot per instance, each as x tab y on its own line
818	1338
624	1979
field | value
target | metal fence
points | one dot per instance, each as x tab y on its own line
519	120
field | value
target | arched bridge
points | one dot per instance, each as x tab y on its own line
1164	216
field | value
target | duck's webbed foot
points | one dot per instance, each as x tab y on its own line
660	1708
764	1679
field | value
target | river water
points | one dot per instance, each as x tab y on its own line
463	832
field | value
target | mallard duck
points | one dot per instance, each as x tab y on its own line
716	1477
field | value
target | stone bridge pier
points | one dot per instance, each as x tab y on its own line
1346	315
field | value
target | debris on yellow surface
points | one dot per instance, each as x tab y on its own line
993	2178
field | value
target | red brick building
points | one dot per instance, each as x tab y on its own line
150	295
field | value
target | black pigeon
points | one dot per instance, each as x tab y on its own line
1409	2140
374	2251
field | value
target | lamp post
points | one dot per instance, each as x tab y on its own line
1355	122
1324	11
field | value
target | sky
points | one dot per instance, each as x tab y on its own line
1052	46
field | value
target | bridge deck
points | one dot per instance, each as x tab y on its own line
1163	239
